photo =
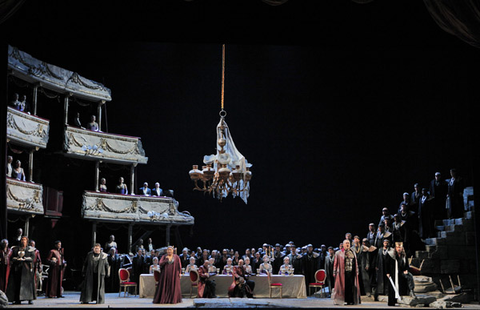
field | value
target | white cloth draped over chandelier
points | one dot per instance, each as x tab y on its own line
232	158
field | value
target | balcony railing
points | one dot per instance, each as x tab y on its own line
133	208
24	197
108	147
25	129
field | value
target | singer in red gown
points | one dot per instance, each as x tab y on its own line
169	290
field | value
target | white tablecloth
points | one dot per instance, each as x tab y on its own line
293	286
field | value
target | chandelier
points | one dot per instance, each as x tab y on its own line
228	171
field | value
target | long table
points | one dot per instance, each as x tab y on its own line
293	286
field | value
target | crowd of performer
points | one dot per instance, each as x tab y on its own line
377	264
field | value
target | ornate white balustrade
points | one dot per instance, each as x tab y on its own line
132	208
26	129
87	144
24	197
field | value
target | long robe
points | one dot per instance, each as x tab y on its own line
4	268
113	282
381	278
55	273
169	290
330	279
395	266
94	282
21	281
311	263
339	273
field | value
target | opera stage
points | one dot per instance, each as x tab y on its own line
71	300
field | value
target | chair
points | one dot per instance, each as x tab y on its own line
194	278
124	278
320	276
272	286
156	276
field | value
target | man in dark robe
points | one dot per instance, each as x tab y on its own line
345	271
438	192
114	261
206	286
277	259
456	186
311	264
138	266
56	260
397	271
241	285
329	260
380	271
21	281
95	269
362	262
184	258
425	216
296	260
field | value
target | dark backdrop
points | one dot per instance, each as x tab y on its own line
340	107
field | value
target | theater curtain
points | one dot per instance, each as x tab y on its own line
460	18
8	8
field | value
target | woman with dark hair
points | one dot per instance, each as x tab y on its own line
18	172
169	290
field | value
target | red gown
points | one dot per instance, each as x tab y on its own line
169	290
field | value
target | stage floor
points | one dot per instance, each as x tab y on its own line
71	300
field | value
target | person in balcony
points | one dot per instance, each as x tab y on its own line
77	121
157	191
145	190
9	166
18	172
122	187
15	102
103	185
93	125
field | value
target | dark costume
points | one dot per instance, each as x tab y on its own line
425	218
114	261
455	196
241	285
138	267
330	279
362	262
21	281
206	287
296	262
55	273
347	285
95	269
396	265
438	191
381	273
311	263
169	290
